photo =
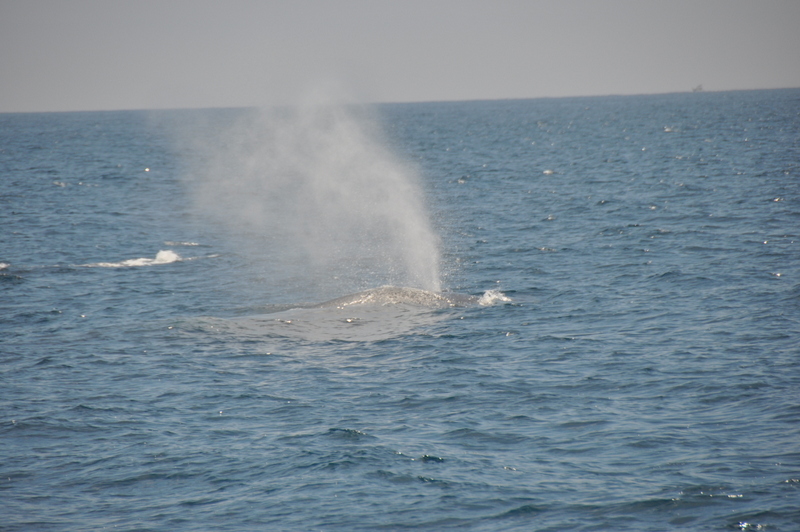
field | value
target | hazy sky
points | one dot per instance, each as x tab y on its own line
115	54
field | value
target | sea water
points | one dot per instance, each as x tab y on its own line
166	362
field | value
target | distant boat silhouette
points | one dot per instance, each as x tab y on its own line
699	88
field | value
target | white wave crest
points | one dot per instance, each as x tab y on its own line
165	256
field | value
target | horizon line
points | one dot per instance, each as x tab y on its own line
399	102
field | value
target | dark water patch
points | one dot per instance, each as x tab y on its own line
475	439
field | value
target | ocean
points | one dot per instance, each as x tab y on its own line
547	314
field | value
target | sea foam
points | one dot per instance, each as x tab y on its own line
162	257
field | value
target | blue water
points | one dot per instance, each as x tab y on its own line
161	371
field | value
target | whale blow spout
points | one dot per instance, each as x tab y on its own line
315	192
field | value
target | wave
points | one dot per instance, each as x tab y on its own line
165	256
180	243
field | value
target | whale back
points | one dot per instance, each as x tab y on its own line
394	295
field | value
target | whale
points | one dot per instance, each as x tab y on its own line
370	315
396	295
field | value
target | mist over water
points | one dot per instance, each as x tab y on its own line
315	195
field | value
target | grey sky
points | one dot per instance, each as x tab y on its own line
104	54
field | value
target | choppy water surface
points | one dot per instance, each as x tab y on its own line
162	372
